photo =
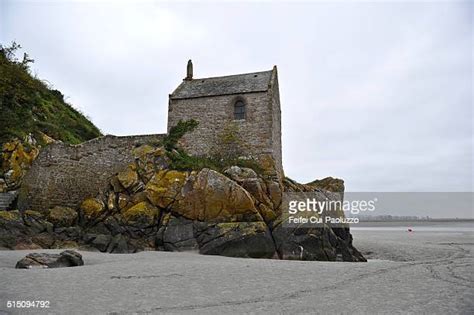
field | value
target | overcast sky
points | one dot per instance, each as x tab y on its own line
379	94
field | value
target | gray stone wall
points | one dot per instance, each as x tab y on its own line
260	132
64	175
276	123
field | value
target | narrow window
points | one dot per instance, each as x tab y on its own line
239	110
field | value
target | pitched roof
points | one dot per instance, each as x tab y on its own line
232	84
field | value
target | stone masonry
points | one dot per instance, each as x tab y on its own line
64	175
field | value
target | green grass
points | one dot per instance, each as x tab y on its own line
28	105
182	161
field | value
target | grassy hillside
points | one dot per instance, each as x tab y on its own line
27	105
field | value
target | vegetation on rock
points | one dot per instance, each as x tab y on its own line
218	160
29	106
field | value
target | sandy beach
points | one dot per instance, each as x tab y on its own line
426	271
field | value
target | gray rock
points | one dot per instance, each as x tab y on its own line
305	243
179	235
240	173
101	242
237	239
67	258
118	245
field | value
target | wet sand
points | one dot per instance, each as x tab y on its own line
427	271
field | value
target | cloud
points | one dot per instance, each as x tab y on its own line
379	94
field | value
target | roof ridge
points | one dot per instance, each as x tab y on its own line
231	75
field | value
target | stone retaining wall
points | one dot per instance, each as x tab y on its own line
64	175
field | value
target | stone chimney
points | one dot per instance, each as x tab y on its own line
189	70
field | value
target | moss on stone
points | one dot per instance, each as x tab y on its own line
128	177
34	214
10	215
62	216
143	211
92	207
165	186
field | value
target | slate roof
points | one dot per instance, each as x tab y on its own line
232	84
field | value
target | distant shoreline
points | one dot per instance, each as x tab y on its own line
364	220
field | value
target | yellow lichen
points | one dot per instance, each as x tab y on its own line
164	187
10	215
92	207
34	214
142	210
128	177
62	216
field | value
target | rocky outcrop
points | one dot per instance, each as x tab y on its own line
16	159
67	258
149	206
329	184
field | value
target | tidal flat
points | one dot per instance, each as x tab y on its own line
429	270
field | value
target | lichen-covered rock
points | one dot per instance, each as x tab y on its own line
92	208
17	157
124	201
329	184
10	217
239	174
128	177
165	187
237	239
150	160
268	165
142	214
62	216
266	192
147	206
67	258
275	191
212	197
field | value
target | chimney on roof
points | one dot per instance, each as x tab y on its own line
189	70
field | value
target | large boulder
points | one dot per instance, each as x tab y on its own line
67	258
305	243
177	234
236	239
165	187
212	197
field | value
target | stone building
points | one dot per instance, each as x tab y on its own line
240	110
237	114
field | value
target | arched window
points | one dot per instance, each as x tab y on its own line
239	110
